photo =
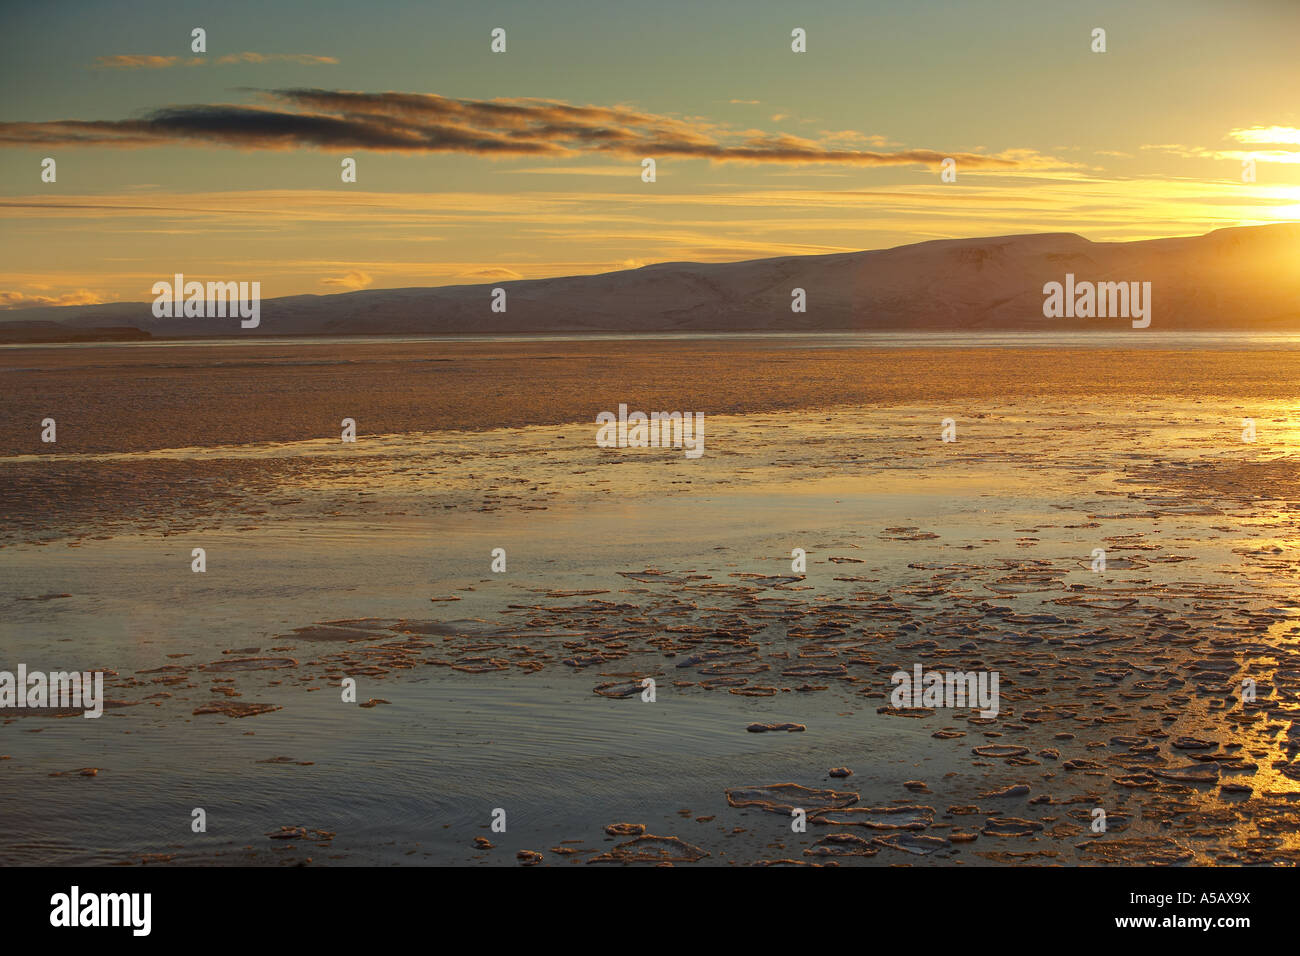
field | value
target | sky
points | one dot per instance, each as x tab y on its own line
475	166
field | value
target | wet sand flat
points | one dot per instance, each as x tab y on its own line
130	399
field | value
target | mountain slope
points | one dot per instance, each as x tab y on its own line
1230	279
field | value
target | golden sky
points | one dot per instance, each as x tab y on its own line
475	166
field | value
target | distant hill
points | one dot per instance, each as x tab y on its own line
1232	279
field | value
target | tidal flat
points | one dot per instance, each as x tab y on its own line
477	691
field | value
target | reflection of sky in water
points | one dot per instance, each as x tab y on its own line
1018	503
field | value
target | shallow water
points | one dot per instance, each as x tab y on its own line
942	551
1143	338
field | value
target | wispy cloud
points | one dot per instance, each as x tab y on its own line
1270	135
139	61
509	127
1277	139
305	59
351	281
617	171
24	300
145	61
490	273
853	137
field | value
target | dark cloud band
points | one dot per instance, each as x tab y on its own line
426	122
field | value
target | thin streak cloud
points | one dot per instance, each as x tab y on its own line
145	61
